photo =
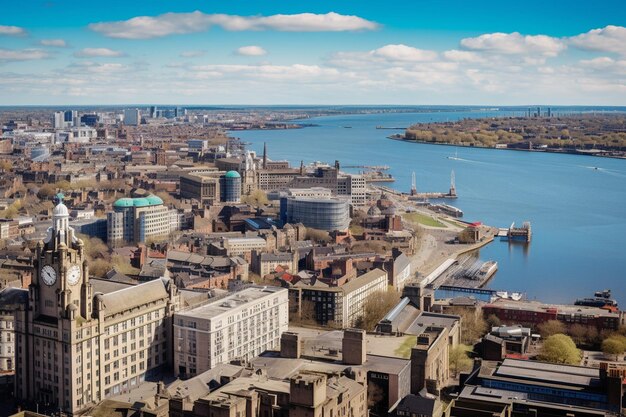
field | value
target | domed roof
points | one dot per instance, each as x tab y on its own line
123	202
154	200
373	211
60	210
232	174
140	202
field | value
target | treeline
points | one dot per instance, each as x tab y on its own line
579	132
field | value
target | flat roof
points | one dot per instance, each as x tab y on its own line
240	298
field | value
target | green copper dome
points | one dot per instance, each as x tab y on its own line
123	202
232	174
140	202
154	200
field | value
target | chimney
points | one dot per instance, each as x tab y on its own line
290	345
353	346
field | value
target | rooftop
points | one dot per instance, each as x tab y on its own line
150	200
223	305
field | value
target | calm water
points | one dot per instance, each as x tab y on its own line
578	213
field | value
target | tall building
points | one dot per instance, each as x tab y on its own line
59	120
10	300
80	340
242	326
132	117
134	220
232	187
153	112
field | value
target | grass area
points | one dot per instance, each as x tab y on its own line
454	223
422	219
404	350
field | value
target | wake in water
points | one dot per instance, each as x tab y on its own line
612	172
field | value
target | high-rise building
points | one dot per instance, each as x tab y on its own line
232	187
153	112
132	117
80	340
59	120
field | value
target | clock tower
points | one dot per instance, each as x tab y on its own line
55	330
61	277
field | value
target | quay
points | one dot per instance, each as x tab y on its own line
517	234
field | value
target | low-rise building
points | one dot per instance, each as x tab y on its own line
339	305
317	213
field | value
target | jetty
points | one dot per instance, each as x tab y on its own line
516	234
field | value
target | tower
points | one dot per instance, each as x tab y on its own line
264	155
413	184
452	191
51	329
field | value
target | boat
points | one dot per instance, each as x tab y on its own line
598	302
603	294
502	294
516	296
455	157
447	209
487	270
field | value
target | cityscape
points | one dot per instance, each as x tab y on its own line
315	210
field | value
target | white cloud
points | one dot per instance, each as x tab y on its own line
608	39
403	53
192	54
12	30
515	43
146	27
98	52
463	56
251	50
59	43
22	54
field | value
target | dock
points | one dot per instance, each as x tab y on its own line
516	234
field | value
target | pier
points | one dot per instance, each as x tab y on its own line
414	195
516	234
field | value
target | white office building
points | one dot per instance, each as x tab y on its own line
240	326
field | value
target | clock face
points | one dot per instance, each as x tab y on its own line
48	275
73	274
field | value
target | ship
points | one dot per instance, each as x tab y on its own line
455	157
447	209
601	300
487	270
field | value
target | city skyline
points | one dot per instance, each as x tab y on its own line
261	53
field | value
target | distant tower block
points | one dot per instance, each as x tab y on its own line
413	184
264	155
452	185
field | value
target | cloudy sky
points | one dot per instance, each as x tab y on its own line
313	52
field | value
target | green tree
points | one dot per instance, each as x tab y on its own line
459	359
614	345
559	348
256	198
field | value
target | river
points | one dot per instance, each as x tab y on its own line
576	204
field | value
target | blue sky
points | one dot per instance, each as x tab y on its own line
280	52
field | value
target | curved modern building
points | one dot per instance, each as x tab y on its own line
134	220
232	187
324	214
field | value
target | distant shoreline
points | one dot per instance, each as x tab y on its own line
546	150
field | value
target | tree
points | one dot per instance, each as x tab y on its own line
578	332
317	235
614	345
46	191
458	359
376	306
560	348
473	325
256	198
493	321
551	327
